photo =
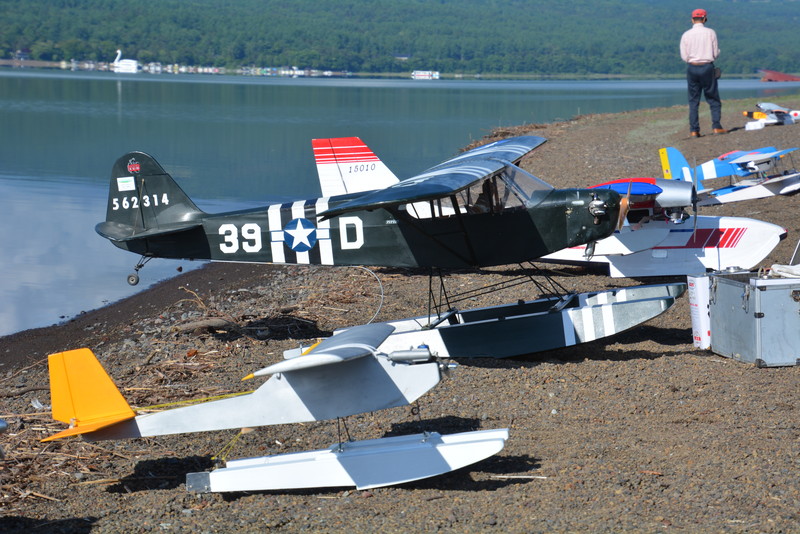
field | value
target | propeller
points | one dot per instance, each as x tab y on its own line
624	207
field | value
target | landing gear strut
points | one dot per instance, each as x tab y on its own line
133	278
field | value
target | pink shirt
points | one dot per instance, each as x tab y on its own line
699	44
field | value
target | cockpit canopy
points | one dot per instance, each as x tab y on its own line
510	188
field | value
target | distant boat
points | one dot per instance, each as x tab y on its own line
425	75
775	76
129	66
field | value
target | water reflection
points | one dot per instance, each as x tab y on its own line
54	264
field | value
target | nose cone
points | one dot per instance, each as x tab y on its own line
592	215
573	217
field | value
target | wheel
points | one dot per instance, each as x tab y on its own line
133	279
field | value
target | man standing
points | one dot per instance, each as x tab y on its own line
699	49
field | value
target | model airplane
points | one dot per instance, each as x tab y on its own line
770	114
341	376
659	238
529	327
752	174
440	218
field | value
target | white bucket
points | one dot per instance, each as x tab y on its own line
699	294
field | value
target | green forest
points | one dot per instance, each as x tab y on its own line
500	37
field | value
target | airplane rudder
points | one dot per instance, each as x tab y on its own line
663	155
347	165
674	164
142	194
81	390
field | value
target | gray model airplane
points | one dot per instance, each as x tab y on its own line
341	376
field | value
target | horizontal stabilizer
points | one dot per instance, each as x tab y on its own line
83	395
116	231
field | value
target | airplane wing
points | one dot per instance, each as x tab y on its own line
446	178
729	164
359	342
759	157
778	185
512	149
770	107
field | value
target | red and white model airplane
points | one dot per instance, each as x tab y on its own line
657	238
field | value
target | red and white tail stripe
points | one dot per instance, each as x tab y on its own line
342	150
347	165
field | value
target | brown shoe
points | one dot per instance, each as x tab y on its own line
695	134
720	131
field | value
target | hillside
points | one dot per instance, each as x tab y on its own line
614	37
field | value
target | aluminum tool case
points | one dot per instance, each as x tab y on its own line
755	320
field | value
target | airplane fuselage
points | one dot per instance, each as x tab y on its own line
293	233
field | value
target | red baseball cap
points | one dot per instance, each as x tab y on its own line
699	14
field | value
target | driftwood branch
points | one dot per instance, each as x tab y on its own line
21	391
215	323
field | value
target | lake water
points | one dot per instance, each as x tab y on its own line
231	142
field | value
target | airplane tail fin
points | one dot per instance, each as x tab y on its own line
675	167
347	165
83	395
143	199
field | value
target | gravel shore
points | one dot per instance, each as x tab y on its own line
638	433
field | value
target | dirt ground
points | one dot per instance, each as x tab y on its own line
638	433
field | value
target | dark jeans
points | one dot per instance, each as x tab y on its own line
700	78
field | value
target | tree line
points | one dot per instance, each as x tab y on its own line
541	37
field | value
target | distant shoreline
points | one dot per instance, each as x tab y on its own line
309	73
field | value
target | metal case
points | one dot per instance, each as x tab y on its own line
755	320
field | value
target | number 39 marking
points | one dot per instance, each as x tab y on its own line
250	239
